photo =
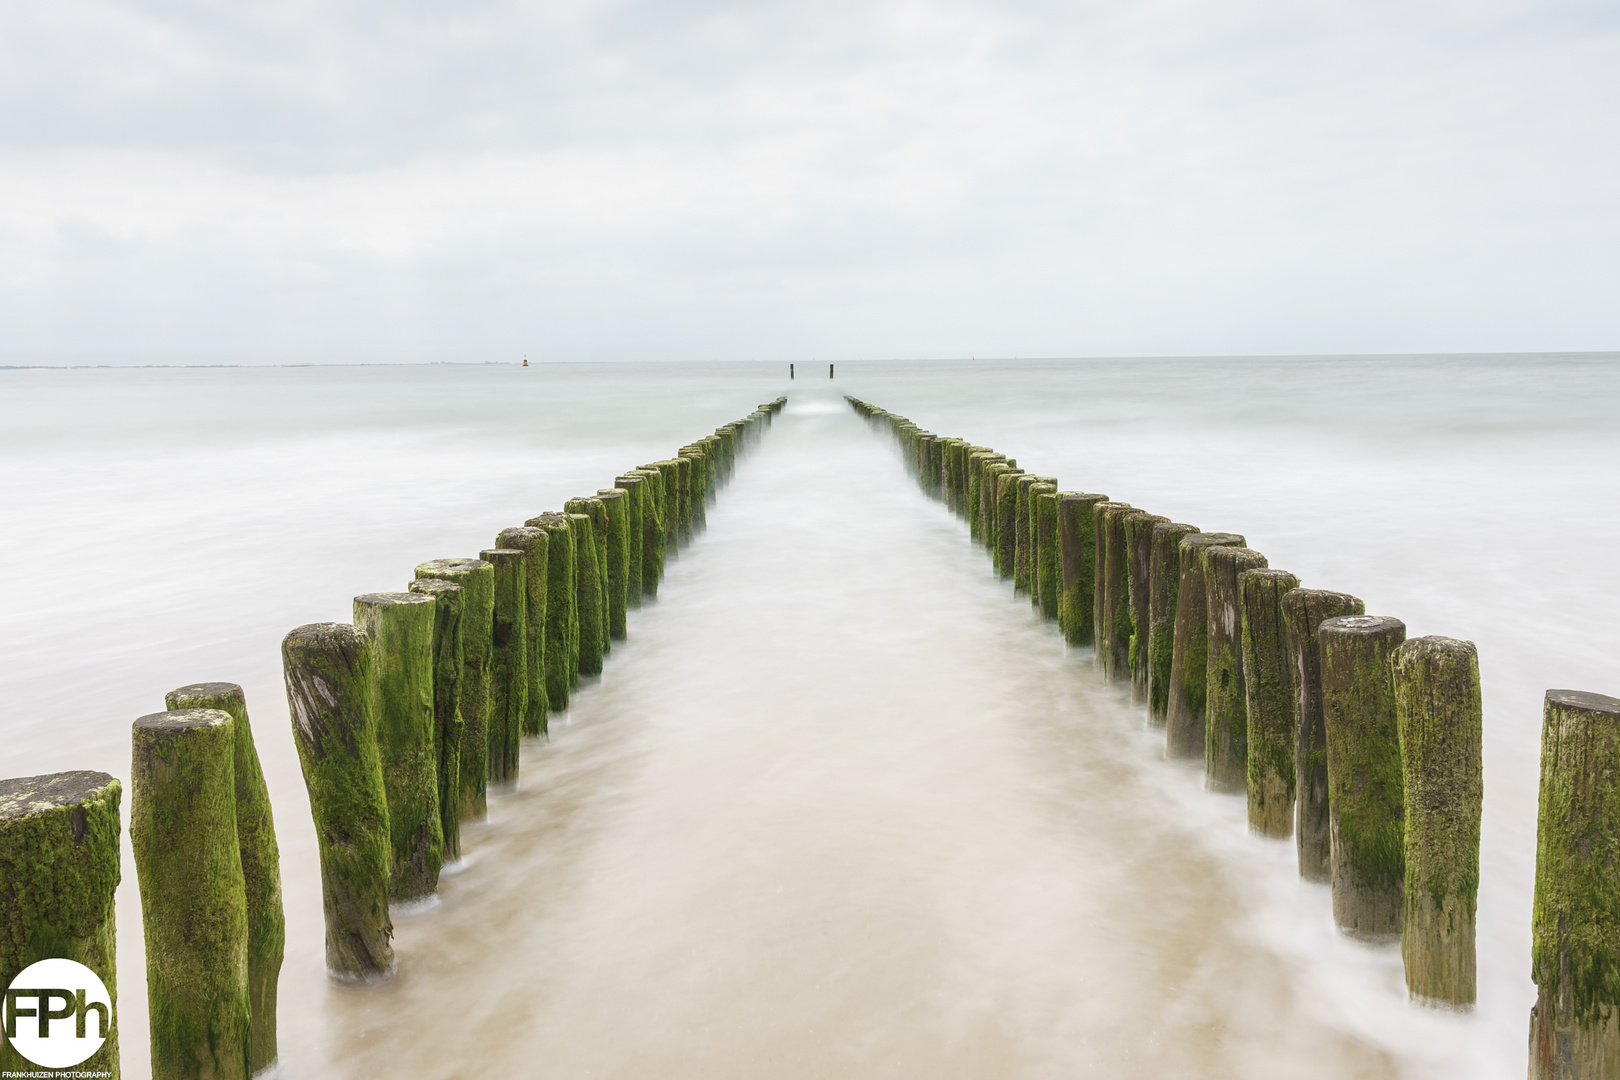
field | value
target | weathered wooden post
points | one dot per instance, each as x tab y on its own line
596	513
261	860
1077	553
697	496
1048	572
588	595
1437	710
400	628
670	516
1268	688
978	462
1366	804
1112	615
59	869
1164	583
562	614
1304	611
508	664
1575	931
449	666
635	489
327	668
616	508
1226	714
1023	536
1006	511
477	580
1188	690
1139	594
182	827
534	542
683	500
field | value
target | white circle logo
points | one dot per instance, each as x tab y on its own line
57	1013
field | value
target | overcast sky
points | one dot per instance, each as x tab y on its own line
210	181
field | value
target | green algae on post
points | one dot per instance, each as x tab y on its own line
182	828
1366	803
477	580
449	664
596	512
670	511
1138	594
1164	582
1024	540
261	860
652	526
508	664
617	510
1006	515
1226	713
1268	689
1575	928
1187	693
1048	576
978	463
1304	611
534	542
683	503
328	674
562	615
1437	711
400	628
1111	615
1077	553
59	869
588	595
635	489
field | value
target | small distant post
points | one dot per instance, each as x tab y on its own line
829	371
790	371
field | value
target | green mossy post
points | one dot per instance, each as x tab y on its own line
1187	693
652	525
1048	571
182	827
1006	513
978	463
1139	594
596	512
670	515
327	667
261	860
1077	553
59	869
635	532
1226	711
1268	689
535	543
1023	538
683	511
617	510
562	609
400	627
952	476
1575	929
508	664
982	525
477	580
1164	583
698	497
1366	802
588	595
1438	714
449	668
1112	616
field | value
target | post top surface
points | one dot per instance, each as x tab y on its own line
392	599
1585	701
177	720
21	796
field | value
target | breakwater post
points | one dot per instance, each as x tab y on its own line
1077	556
1187	692
449	663
1268	690
328	674
1048	573
534	542
508	664
1438	714
477	580
1139	595
1006	520
979	463
182	827
1164	583
1112	614
587	595
1226	719
615	507
635	490
261	860
1366	802
1304	611
59	869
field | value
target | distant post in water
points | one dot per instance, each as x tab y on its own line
1138	595
477	580
1575	929
182	827
1226	719
535	543
59	868
261	860
1366	804
328	673
449	663
1268	690
1437	709
829	371
1164	582
1077	555
509	664
1189	654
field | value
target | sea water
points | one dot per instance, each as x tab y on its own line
842	805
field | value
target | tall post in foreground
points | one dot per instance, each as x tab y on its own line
261	860
1189	653
1437	709
1366	802
400	628
1164	582
449	663
509	664
535	543
182	827
59	868
1575	929
477	580
1304	610
1077	553
1268	691
1226	719
328	673
616	507
1138	594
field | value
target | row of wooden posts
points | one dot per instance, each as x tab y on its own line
403	719
1362	744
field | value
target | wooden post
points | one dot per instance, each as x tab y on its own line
1366	804
1164	583
1437	709
261	860
1187	693
1226	716
182	827
1575	931
634	487
616	507
1024	535
328	675
562	614
449	668
59	869
477	580
535	543
978	463
1112	613
1006	511
1077	553
508	666
1048	566
1139	595
588	595
1268	689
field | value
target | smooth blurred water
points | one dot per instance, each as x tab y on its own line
842	805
